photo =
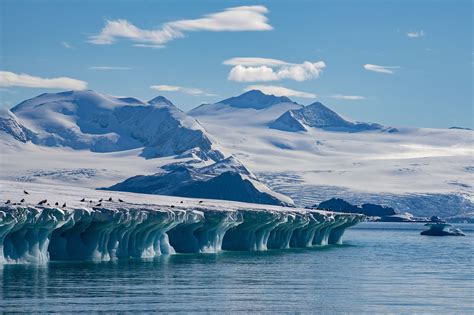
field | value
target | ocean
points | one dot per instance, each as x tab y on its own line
380	268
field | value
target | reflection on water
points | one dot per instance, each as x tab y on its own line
382	268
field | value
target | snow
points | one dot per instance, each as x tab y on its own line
149	226
226	179
420	170
101	123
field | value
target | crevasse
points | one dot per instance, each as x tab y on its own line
38	234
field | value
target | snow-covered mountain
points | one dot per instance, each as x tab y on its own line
316	115
86	120
10	126
255	99
227	179
420	170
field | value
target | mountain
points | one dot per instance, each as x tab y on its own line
316	115
86	120
10	125
369	209
255	99
227	179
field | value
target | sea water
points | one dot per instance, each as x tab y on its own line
381	268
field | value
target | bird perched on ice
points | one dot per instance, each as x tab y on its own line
98	205
200	201
22	200
42	202
110	198
120	200
8	202
25	192
83	199
100	200
56	204
64	205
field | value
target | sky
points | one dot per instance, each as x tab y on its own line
399	63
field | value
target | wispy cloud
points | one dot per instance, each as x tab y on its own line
347	97
181	89
67	45
416	34
243	18
149	46
381	69
105	68
8	79
279	91
254	69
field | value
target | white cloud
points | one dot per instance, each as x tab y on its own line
416	34
149	46
8	79
109	68
244	18
66	45
279	91
347	97
381	69
265	69
174	88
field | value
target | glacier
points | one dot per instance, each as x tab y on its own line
36	234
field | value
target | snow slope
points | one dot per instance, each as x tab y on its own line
86	120
420	170
317	115
226	179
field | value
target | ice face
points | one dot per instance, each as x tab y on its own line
39	234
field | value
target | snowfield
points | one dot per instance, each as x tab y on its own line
58	139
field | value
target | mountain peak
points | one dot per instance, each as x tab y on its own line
160	100
255	99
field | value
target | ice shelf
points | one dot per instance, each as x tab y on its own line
147	226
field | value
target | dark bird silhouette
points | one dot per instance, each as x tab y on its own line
100	200
172	206
25	192
110	199
90	201
64	205
56	204
98	205
200	201
8	202
181	201
42	202
120	200
22	200
83	199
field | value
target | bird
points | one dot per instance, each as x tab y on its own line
56	204
42	202
172	206
64	205
200	201
100	200
25	192
181	201
8	202
98	205
83	199
120	200
110	198
22	200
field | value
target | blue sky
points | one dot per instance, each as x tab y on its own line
399	63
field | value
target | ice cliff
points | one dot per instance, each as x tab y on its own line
114	230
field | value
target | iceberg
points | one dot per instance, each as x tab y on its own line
122	230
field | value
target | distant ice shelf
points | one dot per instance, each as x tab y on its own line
34	234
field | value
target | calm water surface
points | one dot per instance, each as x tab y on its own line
382	268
